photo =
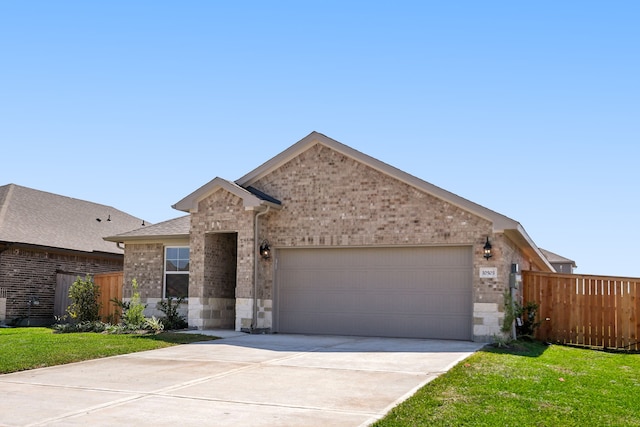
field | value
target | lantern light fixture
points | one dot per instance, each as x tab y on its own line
265	249
487	249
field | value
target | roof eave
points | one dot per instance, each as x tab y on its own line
520	237
101	254
161	237
190	203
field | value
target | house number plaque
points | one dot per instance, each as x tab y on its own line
488	273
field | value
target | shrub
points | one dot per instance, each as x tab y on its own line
95	326
527	326
85	306
133	317
172	319
121	307
153	324
523	315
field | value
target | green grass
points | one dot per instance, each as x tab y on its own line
531	385
29	348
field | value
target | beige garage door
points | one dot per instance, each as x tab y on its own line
418	292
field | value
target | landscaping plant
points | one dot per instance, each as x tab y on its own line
133	318
527	314
172	319
85	306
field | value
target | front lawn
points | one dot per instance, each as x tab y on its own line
530	385
28	348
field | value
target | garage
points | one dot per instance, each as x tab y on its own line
413	292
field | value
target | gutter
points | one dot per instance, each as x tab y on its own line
6	247
254	320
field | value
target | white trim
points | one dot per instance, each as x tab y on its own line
190	202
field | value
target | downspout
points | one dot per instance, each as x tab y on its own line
254	320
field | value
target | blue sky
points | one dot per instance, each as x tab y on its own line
531	109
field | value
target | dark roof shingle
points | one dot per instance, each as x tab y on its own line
176	228
40	218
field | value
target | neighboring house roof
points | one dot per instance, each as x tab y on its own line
177	228
557	259
38	218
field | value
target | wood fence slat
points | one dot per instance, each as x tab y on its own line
544	312
597	311
635	316
597	321
577	311
563	308
593	315
110	287
623	302
609	314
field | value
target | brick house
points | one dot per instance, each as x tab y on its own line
324	239
43	234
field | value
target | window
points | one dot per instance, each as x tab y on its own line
176	272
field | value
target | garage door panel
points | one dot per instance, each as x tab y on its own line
405	292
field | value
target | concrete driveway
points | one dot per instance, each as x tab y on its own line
241	380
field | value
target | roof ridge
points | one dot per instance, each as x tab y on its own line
36	217
64	196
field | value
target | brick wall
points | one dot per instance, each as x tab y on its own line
222	212
329	199
220	265
31	272
145	263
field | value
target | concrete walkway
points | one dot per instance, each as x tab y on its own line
241	380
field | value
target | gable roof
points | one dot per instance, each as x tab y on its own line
35	217
177	228
501	223
251	198
557	259
254	198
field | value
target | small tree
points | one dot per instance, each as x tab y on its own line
85	306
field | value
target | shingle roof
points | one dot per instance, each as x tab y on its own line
557	259
39	218
173	228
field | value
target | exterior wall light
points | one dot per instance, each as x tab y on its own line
487	249
265	249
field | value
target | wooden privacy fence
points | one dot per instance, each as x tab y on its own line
110	287
596	311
